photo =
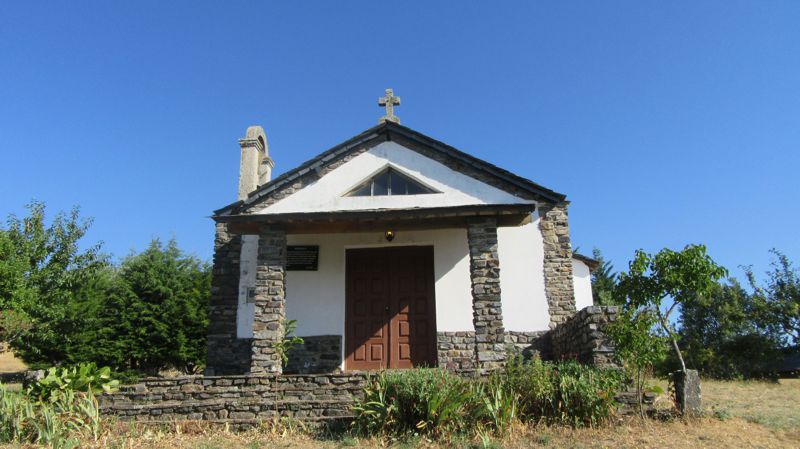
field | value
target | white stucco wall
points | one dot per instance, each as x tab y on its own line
582	279
457	189
521	254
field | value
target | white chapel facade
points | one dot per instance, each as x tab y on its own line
389	250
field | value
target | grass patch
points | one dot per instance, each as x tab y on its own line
773	404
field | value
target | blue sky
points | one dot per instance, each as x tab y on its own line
665	123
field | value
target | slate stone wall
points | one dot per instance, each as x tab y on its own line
457	349
581	337
237	399
487	310
226	353
270	301
530	343
558	283
317	354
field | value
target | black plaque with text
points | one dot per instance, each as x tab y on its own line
302	257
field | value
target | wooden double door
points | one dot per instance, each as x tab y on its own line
390	319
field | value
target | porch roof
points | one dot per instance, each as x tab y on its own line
380	219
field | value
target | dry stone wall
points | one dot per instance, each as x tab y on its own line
237	399
581	337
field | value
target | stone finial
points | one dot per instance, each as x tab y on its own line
389	101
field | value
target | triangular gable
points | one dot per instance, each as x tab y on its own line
494	181
450	187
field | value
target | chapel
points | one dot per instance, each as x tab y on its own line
391	250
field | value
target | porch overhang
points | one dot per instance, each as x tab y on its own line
507	215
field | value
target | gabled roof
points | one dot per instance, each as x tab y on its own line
389	131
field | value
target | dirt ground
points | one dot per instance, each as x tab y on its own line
740	415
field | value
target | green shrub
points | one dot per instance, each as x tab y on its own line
425	401
86	377
434	402
563	392
59	422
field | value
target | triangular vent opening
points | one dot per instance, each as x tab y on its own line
389	182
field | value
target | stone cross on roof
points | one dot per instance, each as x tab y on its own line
389	101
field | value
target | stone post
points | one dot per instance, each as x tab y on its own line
687	392
487	312
558	284
270	300
225	350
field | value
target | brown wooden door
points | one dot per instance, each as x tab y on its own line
390	308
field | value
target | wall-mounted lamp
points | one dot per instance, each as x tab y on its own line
389	236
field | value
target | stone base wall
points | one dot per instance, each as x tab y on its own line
318	354
237	399
457	349
530	343
581	337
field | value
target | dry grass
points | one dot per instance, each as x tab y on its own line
701	433
9	363
774	404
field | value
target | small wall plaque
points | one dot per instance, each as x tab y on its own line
302	257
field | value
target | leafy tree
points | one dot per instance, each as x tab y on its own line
722	335
153	314
778	303
42	269
679	276
604	280
636	344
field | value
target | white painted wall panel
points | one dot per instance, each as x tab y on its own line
582	279
327	193
521	254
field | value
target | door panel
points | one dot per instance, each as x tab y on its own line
367	304
393	324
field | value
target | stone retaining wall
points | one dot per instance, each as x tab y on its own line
237	399
581	337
